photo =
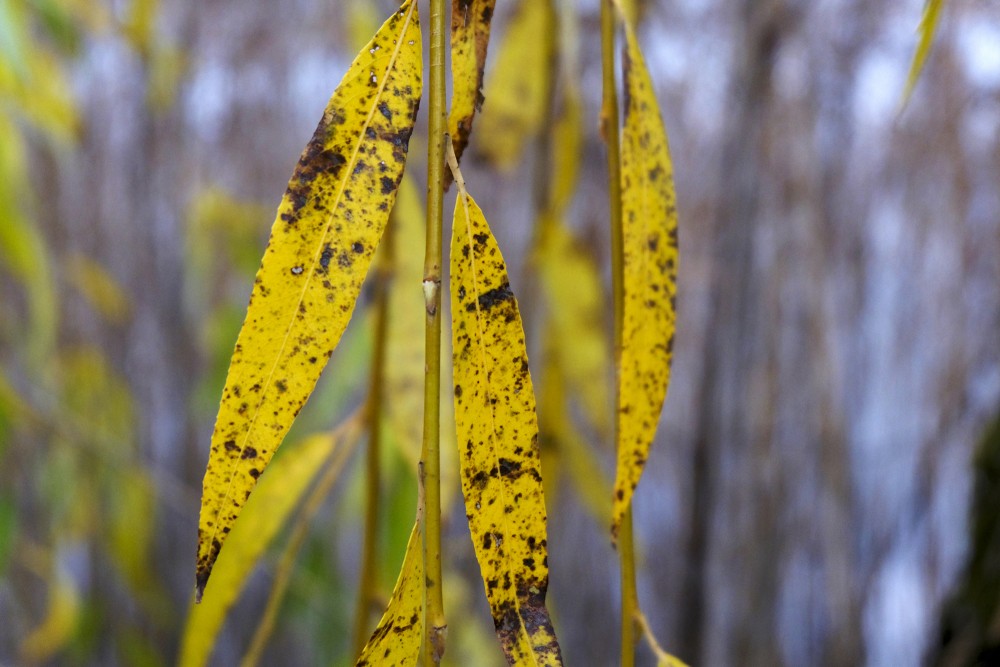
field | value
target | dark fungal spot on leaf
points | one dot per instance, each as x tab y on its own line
253	473
281	386
493	297
248	453
388	185
231	446
385	110
358	247
324	258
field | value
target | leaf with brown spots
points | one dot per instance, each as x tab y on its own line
265	514
470	37
398	636
518	84
498	440
327	228
649	221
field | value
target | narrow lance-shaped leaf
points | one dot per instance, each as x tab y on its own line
649	221
498	440
518	84
928	26
266	513
328	225
470	38
398	636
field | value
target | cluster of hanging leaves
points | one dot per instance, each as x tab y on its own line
328	227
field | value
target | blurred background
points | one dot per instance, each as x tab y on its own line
837	361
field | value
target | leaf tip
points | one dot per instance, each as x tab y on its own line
200	581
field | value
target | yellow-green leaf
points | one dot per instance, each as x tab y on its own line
470	37
518	85
498	440
649	221
404	367
99	288
322	242
397	638
265	514
928	26
59	624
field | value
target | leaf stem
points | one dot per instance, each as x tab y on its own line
430	456
610	120
373	415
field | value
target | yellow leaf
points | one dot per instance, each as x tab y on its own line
498	440
566	145
576	306
264	515
470	37
99	288
60	622
327	228
563	440
649	220
517	89
928	26
397	638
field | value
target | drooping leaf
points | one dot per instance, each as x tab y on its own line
322	242
649	221
132	526
300	529
576	305
265	514
470	37
567	141
60	622
518	84
397	638
564	441
498	440
99	288
928	26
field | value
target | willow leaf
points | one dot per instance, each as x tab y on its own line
571	283
328	225
649	221
518	85
498	440
56	630
470	38
397	638
928	26
265	514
